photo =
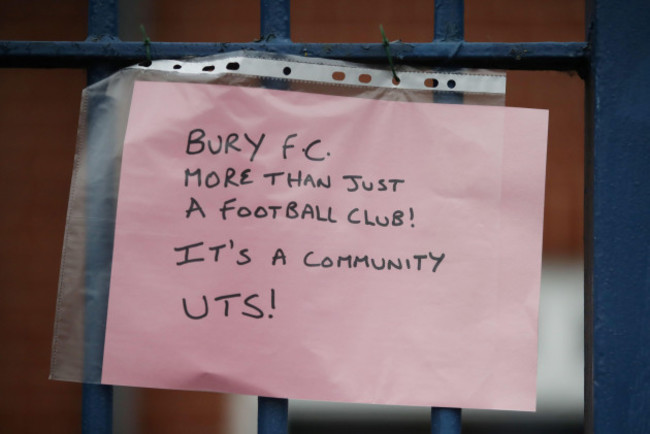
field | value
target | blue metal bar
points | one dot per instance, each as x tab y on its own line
275	20
445	420
272	415
449	26
449	20
102	19
100	213
102	26
97	401
97	409
618	233
275	28
528	55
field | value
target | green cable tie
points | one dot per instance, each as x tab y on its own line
387	49
147	42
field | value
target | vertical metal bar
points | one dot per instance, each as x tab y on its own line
275	25
100	213
102	25
618	245
97	402
102	19
272	415
449	26
275	20
445	420
449	20
97	409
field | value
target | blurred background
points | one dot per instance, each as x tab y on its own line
38	121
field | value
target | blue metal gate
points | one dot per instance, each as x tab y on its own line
617	167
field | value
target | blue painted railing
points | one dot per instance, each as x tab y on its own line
617	226
615	62
503	55
97	402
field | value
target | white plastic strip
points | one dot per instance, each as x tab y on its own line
465	82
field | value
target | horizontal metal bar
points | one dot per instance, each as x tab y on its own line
526	55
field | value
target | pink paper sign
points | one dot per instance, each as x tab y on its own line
306	246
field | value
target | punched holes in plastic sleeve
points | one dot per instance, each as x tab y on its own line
338	75
365	78
431	83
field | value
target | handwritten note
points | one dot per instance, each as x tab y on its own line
318	247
